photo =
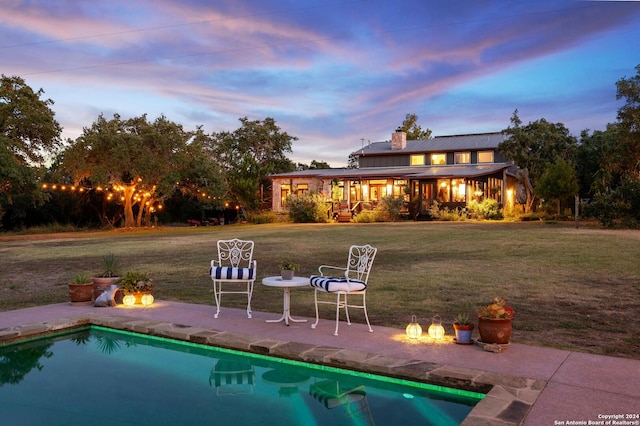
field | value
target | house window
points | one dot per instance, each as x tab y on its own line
417	160
302	189
452	190
401	189
437	159
458	190
485	156
378	188
444	190
285	190
463	157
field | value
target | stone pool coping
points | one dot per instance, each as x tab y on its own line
508	398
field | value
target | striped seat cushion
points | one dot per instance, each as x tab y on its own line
331	395
229	273
333	284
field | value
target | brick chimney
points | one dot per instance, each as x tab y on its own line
398	140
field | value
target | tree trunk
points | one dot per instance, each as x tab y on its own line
523	175
129	221
142	210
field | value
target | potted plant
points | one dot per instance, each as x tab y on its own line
463	328
101	283
137	284
287	269
80	289
494	321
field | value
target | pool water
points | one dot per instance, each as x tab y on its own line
98	376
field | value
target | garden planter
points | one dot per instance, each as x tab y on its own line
496	330
463	333
287	274
102	284
80	293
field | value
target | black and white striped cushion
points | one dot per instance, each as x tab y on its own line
333	284
228	273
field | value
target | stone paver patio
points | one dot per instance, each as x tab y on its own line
524	385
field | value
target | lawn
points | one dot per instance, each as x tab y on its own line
576	289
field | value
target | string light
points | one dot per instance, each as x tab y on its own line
139	196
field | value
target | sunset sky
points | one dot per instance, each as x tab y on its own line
332	73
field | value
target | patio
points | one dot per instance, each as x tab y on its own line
528	385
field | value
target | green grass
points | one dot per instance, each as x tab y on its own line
576	289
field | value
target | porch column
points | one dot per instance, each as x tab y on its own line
345	190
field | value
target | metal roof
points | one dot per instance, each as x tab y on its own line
414	172
437	144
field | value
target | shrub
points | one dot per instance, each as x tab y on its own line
306	208
454	215
434	210
486	209
530	217
262	217
369	216
391	206
620	206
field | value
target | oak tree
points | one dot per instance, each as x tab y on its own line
250	153
29	134
140	163
533	147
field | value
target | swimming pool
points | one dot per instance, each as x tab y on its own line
102	376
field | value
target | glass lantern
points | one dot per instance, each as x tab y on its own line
436	330
414	330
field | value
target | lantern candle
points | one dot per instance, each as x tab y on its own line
129	300
414	330
436	330
147	299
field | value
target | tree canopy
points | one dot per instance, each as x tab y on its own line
558	181
629	122
533	147
28	132
609	161
413	130
314	165
142	162
250	153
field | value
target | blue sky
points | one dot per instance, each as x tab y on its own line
332	73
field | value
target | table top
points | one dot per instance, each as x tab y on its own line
277	281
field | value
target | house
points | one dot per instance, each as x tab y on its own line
451	170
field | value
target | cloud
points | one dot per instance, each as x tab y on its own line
329	72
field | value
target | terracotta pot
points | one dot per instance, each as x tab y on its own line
494	330
80	292
102	284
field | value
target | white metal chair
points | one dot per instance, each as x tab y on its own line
341	282
235	266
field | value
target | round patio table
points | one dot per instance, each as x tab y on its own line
286	285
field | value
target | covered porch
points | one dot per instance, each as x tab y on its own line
347	192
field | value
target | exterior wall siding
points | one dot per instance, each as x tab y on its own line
398	160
